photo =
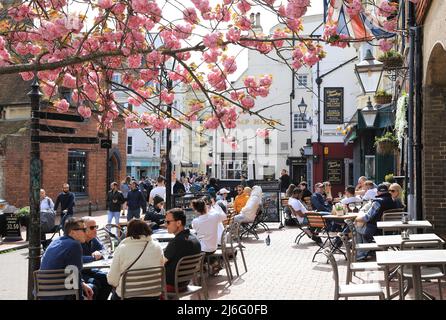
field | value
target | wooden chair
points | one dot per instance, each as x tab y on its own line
319	225
427	272
352	290
147	282
52	283
190	268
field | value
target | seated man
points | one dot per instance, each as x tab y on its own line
350	196
184	244
66	252
381	203
317	200
91	251
249	211
156	212
371	192
241	199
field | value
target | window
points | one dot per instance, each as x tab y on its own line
154	146
129	145
77	171
234	165
298	123
116	78
302	80
269	173
370	167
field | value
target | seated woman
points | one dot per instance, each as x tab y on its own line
156	212
289	191
249	211
397	195
136	251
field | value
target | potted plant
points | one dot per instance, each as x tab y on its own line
23	216
386	144
391	59
382	97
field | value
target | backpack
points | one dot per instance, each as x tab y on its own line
47	220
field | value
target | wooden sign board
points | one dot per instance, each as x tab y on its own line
333	105
333	171
12	228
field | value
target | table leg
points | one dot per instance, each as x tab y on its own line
416	274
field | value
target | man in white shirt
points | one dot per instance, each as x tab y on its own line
371	192
206	225
298	210
159	190
350	196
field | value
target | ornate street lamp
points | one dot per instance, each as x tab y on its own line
303	112
369	73
369	114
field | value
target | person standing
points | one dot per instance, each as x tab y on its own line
285	181
135	202
66	201
125	188
159	190
115	200
66	251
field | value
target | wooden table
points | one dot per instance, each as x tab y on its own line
415	259
395	240
343	217
404	226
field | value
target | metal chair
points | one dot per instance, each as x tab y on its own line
105	238
359	246
52	283
393	215
303	229
427	272
222	253
353	267
235	245
352	290
250	228
147	282
190	268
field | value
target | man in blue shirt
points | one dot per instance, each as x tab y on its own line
91	251
317	200
135	202
66	201
66	252
382	202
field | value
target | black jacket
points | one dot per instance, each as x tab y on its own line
115	199
135	200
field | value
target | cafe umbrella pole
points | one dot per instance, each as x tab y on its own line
34	189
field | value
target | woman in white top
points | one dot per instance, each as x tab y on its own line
350	196
371	192
136	251
206	225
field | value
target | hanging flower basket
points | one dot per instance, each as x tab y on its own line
383	99
386	144
391	60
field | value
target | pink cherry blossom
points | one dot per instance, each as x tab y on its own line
354	7
229	65
262	133
385	45
62	105
26	76
386	9
69	81
212	40
233	35
243	6
390	25
211	123
247	102
105	4
211	56
84	111
167	97
190	16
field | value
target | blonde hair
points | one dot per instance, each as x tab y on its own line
369	183
397	187
247	190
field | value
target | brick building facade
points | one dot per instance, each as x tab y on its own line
84	166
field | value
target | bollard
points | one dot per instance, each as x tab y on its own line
89	209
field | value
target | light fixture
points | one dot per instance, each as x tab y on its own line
369	73
303	112
369	114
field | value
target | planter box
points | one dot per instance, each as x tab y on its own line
386	147
383	99
392	63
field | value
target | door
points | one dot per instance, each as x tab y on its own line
299	173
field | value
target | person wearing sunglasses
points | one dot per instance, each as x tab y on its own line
66	251
242	198
91	251
396	193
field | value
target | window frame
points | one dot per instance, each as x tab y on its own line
130	145
297	120
82	157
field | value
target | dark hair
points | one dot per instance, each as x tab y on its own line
296	191
212	181
178	215
71	224
137	228
199	205
303	183
128	179
160	179
114	183
240	187
350	189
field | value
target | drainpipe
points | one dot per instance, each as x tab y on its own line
419	120
410	138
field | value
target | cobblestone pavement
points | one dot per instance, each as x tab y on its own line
280	271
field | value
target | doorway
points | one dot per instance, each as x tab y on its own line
298	170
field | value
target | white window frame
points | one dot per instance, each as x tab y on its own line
298	124
230	167
300	82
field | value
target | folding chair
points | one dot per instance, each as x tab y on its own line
222	253
319	225
105	238
250	228
235	244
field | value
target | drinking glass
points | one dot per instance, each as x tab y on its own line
105	255
352	206
358	205
339	195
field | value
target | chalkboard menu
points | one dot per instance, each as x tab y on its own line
333	105
267	185
12	228
270	203
334	171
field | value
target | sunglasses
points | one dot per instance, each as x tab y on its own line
93	227
392	191
82	229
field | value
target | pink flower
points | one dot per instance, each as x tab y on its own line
266	80
153	58
385	45
190	16
183	31
233	35
173	124
105	4
262	133
390	25
212	40
211	56
354	8
386	9
167	97
84	111
230	65
62	105
247	102
244	6
243	23
211	123
134	61
69	81
26	76
217	79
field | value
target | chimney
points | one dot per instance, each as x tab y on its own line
258	20
251	17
